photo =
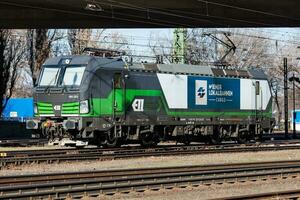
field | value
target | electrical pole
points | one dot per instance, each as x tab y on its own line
294	113
286	127
179	44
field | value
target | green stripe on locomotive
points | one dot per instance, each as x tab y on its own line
67	108
45	108
104	106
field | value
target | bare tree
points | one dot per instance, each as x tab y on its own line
39	46
275	88
114	41
161	46
200	49
11	56
234	47
251	51
31	54
78	39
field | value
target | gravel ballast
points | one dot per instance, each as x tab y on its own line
163	161
212	191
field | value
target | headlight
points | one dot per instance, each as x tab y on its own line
84	107
35	109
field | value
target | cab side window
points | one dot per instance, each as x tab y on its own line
118	80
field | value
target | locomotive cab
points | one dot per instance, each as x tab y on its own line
59	99
63	83
66	96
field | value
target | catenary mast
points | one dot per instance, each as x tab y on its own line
179	45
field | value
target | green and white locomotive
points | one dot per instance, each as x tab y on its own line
108	102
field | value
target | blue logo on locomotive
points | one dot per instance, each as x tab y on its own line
213	93
201	92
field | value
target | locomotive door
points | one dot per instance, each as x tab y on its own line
118	96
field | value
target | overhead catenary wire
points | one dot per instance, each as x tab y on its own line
225	31
151	10
88	14
248	10
198	14
191	44
148	21
248	36
279	33
170	47
171	12
225	18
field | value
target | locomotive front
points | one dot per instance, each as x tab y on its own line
59	98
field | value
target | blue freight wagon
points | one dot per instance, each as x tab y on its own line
297	120
16	112
18	109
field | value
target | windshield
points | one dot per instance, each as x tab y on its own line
73	76
49	76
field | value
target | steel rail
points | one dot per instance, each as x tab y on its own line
114	181
23	153
22	142
7	180
36	152
282	194
108	154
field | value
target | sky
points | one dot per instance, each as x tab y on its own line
138	39
142	37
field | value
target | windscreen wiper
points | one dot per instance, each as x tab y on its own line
54	78
64	87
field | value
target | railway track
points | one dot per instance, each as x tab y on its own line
109	182
285	194
22	142
59	155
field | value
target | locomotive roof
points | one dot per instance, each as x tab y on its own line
200	70
86	60
94	62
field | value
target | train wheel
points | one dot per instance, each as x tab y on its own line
148	140
112	141
259	136
242	137
216	137
109	140
186	140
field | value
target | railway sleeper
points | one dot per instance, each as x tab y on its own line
182	183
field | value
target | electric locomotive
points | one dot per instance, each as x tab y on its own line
109	102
